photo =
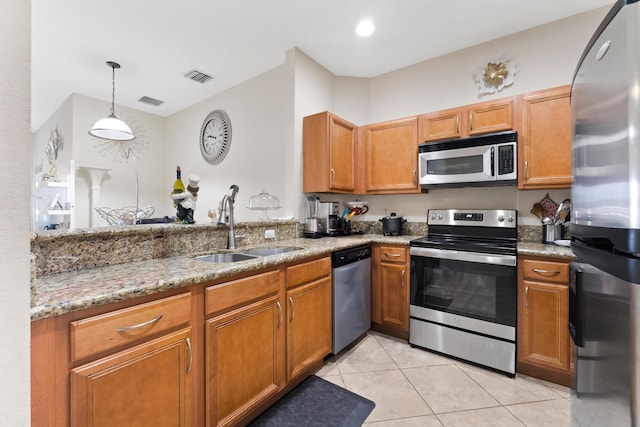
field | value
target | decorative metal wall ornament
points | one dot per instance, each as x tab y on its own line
497	74
54	145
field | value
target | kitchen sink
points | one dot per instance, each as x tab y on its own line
226	257
270	251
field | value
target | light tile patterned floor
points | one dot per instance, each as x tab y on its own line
413	387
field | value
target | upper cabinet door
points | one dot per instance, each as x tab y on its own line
444	124
474	119
342	152
391	156
545	139
328	154
491	116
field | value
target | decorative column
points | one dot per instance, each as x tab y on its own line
96	175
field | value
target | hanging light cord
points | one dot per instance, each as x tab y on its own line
113	89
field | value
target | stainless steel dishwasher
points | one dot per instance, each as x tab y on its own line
351	270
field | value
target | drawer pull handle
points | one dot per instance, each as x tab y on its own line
403	274
388	255
546	272
293	309
190	355
141	325
526	297
280	314
457	123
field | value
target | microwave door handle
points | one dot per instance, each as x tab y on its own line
493	161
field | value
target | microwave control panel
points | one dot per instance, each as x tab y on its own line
506	159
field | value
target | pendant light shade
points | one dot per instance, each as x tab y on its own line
111	127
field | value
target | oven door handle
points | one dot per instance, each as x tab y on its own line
496	259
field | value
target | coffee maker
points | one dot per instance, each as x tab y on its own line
328	216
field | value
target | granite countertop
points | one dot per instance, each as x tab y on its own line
57	294
545	250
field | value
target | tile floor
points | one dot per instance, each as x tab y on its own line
413	387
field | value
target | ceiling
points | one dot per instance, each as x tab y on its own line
157	42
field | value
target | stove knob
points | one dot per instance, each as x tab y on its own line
440	216
510	218
500	218
433	216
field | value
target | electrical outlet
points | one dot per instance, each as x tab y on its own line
269	234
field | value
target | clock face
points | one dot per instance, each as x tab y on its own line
215	137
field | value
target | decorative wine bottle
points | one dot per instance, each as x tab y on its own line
178	186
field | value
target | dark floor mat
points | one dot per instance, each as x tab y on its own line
317	402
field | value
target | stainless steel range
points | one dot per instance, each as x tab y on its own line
463	286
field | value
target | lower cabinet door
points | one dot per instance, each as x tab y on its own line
244	360
544	336
147	385
393	295
309	329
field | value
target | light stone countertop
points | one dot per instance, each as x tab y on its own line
57	294
544	250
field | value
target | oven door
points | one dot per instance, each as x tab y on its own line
466	290
460	165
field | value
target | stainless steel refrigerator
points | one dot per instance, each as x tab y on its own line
604	298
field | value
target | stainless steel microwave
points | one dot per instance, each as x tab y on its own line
483	160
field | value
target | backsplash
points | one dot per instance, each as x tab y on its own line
56	252
533	233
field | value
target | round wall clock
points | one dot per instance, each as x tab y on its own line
495	75
215	137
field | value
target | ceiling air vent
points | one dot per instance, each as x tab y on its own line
150	101
198	76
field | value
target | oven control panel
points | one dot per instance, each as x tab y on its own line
506	218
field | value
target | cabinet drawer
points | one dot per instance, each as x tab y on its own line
241	291
545	271
393	254
108	331
308	271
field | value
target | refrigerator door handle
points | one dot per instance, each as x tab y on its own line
575	302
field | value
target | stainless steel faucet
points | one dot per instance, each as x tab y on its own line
226	205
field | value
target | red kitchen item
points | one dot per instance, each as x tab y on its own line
549	207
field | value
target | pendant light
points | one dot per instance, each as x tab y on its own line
111	127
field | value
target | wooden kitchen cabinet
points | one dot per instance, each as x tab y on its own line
474	119
244	346
132	366
545	139
150	384
309	316
390	290
391	157
544	344
218	354
329	154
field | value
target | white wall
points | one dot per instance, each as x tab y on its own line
545	56
261	113
15	173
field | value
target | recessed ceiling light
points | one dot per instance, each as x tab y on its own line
365	28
